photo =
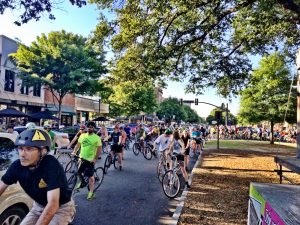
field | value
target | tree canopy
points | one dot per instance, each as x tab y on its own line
33	9
62	62
207	42
266	97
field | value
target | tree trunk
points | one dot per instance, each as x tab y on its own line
272	133
59	110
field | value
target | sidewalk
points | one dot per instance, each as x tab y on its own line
220	188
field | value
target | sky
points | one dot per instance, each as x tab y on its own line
83	21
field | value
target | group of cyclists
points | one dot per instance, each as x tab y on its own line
44	179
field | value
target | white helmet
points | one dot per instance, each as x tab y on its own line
30	125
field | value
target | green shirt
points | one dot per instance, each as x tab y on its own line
89	145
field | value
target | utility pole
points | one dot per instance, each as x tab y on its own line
298	103
226	116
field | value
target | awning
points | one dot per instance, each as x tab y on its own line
65	110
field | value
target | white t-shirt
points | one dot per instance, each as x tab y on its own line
177	147
163	142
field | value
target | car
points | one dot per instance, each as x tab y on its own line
110	130
61	139
14	202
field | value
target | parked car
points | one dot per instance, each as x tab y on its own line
61	140
14	202
71	131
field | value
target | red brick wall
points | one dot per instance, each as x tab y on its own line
67	100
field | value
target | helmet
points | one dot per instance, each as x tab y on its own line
91	124
168	131
35	138
30	125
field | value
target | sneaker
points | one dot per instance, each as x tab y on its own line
187	185
120	168
90	195
78	185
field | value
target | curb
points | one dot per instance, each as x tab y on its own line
182	198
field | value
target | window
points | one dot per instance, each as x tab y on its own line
37	90
24	89
9	81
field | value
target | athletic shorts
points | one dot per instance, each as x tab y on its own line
180	157
87	168
198	141
187	151
116	148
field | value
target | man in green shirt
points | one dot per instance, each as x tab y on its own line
47	128
91	146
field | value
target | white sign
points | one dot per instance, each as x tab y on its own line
214	122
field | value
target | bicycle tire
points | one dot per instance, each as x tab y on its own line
99	175
107	163
71	168
147	153
171	184
64	158
135	149
116	159
72	181
160	170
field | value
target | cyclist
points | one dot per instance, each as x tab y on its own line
47	128
177	146
163	142
116	147
42	178
186	140
91	146
103	133
123	140
127	129
82	130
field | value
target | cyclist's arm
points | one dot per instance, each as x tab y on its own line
98	152
73	141
120	140
51	207
77	147
3	187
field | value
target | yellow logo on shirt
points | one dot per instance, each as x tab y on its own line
38	136
42	184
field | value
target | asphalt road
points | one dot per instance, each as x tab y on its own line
133	196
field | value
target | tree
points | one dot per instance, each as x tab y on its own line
207	42
266	97
191	115
62	62
133	98
32	9
169	108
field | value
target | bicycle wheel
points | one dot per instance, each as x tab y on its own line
99	175
160	171
135	148
171	184
116	161
72	182
107	163
147	153
64	158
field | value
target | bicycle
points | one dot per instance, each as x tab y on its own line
72	168
163	164
138	147
109	161
170	182
63	155
148	151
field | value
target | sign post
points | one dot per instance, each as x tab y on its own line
298	103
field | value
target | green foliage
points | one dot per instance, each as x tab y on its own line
266	97
206	42
133	98
191	115
62	62
232	120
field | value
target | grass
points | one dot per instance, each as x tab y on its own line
252	145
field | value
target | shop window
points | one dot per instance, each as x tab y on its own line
9	81
24	89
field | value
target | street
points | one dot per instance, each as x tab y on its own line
128	197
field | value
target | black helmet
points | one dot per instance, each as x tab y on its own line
91	124
35	138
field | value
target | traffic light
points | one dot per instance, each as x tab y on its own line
218	115
196	101
181	101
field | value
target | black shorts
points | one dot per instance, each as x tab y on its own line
187	151
116	148
180	157
198	141
87	168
